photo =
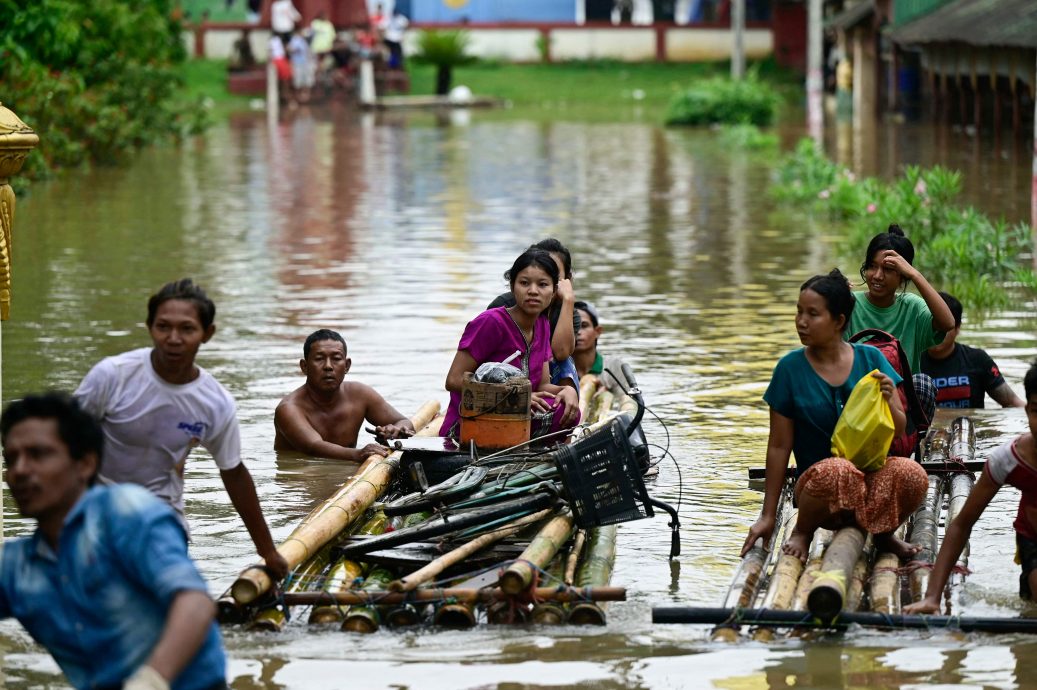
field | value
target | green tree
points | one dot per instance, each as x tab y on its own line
96	79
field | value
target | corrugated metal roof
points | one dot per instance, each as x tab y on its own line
852	16
977	22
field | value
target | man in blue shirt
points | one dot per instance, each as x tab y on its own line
105	582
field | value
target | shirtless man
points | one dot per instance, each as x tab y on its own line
322	417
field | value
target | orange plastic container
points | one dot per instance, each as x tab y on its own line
495	415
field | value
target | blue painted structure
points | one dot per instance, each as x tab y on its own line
490	11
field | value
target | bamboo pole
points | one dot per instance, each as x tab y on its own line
815	557
961	487
430	571
336	514
747	580
595	572
780	593
518	576
273	618
367	619
574	557
455	614
403	616
962	441
828	592
601	403
923	535
782	586
345	575
463	594
342	577
858	579
588	384
547	612
884	584
787	619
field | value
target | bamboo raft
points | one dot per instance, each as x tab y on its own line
538	568
845	580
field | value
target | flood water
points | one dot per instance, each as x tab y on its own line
395	230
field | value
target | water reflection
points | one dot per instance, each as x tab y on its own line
395	229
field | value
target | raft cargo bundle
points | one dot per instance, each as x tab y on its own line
517	535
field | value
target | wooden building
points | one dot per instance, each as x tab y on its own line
976	60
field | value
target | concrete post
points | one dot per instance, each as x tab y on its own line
1033	184
815	77
738	34
273	98
367	90
16	141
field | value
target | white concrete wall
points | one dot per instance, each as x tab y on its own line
584	44
683	44
508	45
694	45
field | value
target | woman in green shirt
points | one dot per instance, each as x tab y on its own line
917	321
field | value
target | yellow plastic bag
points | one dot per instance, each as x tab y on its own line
865	428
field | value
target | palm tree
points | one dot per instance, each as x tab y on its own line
446	50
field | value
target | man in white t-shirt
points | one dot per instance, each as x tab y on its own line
155	404
393	30
283	17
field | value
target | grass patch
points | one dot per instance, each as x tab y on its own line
593	91
599	90
205	82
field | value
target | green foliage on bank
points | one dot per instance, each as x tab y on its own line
748	137
722	100
444	48
95	79
958	248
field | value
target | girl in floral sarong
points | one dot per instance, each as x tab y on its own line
806	395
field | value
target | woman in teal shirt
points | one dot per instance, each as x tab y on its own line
806	395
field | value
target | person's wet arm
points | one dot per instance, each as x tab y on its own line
187	624
463	363
779	450
293	426
388	422
563	340
1006	397
242	492
954	541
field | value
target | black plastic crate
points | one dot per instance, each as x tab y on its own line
602	477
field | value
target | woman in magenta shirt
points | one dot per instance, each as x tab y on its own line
496	334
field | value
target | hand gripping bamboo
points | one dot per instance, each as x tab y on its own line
335	514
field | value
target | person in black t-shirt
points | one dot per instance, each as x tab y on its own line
963	375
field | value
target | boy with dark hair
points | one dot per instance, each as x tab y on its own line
323	416
104	583
155	404
963	375
1014	463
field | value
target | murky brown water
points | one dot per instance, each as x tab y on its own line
396	231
